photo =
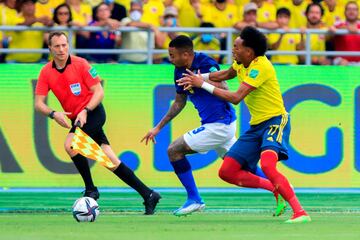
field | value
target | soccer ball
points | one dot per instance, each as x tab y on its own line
85	209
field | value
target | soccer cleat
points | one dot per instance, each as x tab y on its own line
93	193
189	207
280	205
300	217
151	202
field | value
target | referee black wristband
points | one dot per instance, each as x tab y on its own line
51	114
87	109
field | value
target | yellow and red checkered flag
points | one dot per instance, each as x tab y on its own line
86	146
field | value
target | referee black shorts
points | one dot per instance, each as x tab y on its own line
93	126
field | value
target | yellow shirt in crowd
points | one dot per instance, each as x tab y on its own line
153	12
47	9
187	16
267	13
288	43
222	19
83	16
34	39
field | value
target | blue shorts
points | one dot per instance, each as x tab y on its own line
272	134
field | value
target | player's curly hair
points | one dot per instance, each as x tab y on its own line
183	43
255	40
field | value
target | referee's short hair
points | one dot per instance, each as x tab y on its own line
183	43
255	40
57	34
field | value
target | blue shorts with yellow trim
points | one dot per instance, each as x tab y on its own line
272	134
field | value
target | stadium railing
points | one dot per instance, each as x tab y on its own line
229	41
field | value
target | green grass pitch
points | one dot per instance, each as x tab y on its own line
227	216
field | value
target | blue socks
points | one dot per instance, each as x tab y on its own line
182	169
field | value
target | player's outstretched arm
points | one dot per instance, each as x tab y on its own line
219	76
193	80
175	109
41	107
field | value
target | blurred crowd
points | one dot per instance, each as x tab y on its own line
328	15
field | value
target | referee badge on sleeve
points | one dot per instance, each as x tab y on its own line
75	89
93	72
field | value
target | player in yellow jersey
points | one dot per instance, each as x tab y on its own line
268	135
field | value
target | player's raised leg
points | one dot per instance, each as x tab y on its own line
151	197
269	159
176	152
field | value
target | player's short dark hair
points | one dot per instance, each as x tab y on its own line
183	43
283	11
312	5
57	34
255	40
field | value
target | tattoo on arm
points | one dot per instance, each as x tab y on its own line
175	109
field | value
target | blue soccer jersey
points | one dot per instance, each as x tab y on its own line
211	108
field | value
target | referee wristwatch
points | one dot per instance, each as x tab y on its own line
51	114
88	110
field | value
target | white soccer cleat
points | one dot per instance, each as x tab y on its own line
189	207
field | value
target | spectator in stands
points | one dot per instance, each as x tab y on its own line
207	41
8	13
136	40
250	17
189	12
153	11
266	14
103	39
62	17
348	42
82	16
81	12
46	7
26	39
298	16
221	13
285	41
314	13
118	11
8	16
164	38
333	12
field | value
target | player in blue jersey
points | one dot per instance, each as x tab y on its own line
218	120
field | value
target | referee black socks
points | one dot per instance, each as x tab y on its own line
82	165
128	176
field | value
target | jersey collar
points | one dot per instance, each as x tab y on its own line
68	61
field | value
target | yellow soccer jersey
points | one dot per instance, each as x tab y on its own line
288	43
84	16
9	16
334	17
222	19
298	18
153	12
266	100
266	13
47	9
34	39
187	15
